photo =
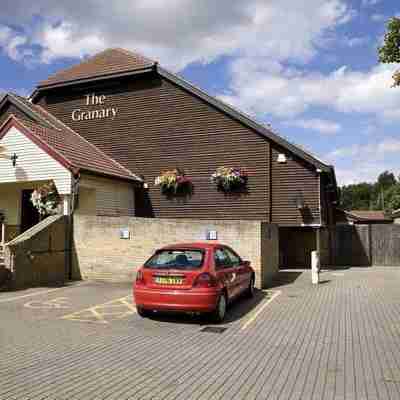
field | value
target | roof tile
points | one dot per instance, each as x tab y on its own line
108	62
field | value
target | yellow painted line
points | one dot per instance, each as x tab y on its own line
42	292
259	310
99	311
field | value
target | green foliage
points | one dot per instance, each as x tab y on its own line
392	198
384	194
390	51
357	197
385	181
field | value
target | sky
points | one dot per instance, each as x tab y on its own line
309	68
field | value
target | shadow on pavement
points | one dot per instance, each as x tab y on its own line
285	278
237	310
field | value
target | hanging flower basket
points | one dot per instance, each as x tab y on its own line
174	183
230	179
46	199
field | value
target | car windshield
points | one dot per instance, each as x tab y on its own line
176	259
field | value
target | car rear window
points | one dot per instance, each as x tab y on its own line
176	259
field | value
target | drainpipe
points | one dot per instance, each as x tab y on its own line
70	231
319	172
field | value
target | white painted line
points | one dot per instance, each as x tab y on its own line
42	292
258	311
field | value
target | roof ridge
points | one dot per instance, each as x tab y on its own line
93	146
131	61
18	99
133	53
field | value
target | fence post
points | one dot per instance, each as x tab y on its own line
315	267
3	235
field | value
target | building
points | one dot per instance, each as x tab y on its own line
396	216
103	130
362	217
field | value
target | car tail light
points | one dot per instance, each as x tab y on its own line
205	280
140	277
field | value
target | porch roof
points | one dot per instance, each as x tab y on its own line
70	149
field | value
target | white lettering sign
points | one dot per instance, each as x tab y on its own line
101	113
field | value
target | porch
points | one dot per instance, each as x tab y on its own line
17	213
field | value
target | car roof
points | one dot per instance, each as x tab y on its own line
193	245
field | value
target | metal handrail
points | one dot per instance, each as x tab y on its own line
3	236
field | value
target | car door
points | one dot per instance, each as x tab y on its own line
243	275
226	272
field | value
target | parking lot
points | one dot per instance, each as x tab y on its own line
340	340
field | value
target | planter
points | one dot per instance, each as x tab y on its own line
230	180
174	183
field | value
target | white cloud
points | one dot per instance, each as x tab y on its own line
319	125
356	41
378	150
365	161
189	31
288	93
11	42
378	17
369	3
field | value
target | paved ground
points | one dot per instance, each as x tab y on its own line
340	340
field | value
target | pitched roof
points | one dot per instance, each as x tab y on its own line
367	215
370	215
70	149
109	62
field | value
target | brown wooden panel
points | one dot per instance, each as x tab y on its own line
161	126
385	244
290	179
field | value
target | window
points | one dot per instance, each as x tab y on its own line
222	259
176	259
234	258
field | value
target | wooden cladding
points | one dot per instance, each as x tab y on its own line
291	180
159	127
162	126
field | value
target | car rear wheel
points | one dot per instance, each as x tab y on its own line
220	310
142	312
250	289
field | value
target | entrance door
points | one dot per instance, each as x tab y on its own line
29	214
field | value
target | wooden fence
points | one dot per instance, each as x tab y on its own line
365	245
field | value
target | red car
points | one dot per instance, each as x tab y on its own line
192	277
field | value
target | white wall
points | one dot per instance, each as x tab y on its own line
33	164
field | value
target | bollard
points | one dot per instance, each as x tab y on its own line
315	267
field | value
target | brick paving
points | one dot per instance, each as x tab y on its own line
340	340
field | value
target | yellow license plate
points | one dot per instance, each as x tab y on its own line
168	280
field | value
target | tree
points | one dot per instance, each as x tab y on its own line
371	196
392	198
390	51
357	197
385	180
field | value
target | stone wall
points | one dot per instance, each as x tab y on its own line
100	253
40	256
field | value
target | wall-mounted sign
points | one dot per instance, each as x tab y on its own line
124	233
101	112
212	235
